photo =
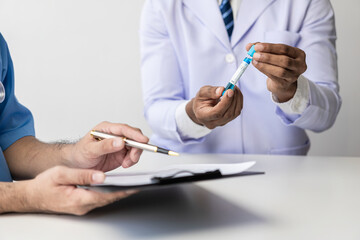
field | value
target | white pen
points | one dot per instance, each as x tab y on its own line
241	69
100	135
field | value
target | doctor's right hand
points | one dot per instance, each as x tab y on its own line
56	191
209	110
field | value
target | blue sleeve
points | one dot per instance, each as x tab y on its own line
16	121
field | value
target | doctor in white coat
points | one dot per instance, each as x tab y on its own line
188	46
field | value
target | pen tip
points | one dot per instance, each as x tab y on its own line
171	153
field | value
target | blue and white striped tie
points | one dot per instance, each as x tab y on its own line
227	15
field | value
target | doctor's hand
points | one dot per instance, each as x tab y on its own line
107	154
209	110
55	191
282	65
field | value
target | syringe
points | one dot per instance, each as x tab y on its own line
239	72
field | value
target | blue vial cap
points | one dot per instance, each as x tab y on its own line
252	51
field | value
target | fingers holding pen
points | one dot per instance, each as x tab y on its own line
280	55
208	108
219	110
283	65
281	61
132	157
287	57
234	109
124	130
210	93
249	45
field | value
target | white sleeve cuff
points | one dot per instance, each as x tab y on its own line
186	127
299	102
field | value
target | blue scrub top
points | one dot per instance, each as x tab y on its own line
16	121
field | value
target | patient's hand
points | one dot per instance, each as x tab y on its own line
56	191
209	110
107	154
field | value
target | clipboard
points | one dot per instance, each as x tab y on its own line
173	175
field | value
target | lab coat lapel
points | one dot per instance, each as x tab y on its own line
249	12
209	14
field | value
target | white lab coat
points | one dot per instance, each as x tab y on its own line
184	46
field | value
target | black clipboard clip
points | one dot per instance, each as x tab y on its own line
193	177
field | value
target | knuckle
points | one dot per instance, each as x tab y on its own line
270	86
87	177
80	212
282	72
58	169
264	57
58	172
228	115
88	152
198	116
284	84
210	125
104	123
231	116
240	95
135	159
302	54
217	115
201	92
305	67
286	61
267	58
198	94
104	147
284	49
260	66
236	113
204	90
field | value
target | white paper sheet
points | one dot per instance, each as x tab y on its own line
146	178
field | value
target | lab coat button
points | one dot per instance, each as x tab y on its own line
229	58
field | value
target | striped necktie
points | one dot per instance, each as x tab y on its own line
227	15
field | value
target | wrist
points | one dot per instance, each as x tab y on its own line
66	151
286	95
16	197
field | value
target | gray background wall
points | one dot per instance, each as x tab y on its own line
77	63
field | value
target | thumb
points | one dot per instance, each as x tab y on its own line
71	176
210	92
249	45
105	146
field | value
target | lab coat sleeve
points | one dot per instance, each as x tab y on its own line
318	36
162	81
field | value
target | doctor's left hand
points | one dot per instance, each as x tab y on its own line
282	64
208	110
107	154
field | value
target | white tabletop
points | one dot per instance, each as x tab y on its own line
297	198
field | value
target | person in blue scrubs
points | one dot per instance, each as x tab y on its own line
49	173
